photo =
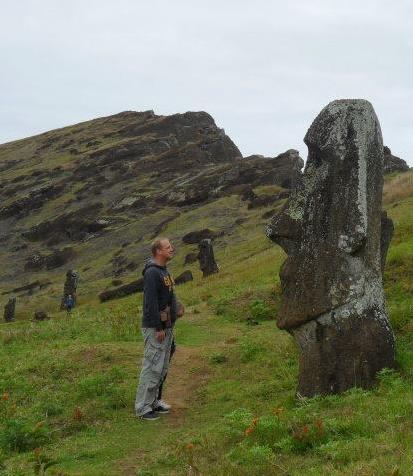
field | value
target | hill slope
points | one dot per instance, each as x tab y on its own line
68	384
93	195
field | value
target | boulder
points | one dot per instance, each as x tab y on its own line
40	315
191	258
184	277
121	291
333	301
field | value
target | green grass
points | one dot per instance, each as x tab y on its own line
67	385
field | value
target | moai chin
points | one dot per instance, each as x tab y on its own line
333	301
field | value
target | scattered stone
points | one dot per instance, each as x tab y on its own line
121	291
10	310
40	315
184	277
70	287
30	287
333	301
393	163
191	258
206	258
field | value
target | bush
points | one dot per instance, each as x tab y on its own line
260	310
19	436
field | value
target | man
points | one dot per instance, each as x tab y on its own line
69	303
159	315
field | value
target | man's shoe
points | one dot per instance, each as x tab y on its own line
150	416
161	408
164	404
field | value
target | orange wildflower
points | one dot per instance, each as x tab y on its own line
249	430
190	446
5	396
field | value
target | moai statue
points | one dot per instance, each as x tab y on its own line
70	287
206	258
10	310
333	302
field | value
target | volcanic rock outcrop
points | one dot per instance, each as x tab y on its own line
333	302
393	163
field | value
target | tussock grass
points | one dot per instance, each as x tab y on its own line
398	188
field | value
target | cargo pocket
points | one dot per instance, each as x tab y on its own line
153	354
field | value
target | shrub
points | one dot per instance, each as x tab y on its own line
17	435
260	310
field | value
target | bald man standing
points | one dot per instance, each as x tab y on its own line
159	315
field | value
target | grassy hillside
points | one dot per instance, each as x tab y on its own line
68	384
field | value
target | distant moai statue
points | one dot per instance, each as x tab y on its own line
336	238
70	287
10	310
206	258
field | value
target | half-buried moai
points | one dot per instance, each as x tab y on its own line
10	310
206	258
70	287
333	302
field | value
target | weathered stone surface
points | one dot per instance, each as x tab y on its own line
70	287
387	230
53	260
206	258
10	310
393	163
333	301
184	277
121	291
36	199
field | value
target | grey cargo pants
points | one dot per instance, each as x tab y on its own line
154	368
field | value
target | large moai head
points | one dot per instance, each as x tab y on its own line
330	229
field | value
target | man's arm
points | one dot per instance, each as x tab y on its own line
151	283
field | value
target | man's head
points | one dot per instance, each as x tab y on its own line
162	250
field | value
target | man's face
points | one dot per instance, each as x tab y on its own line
166	251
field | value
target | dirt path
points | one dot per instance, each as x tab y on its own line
187	374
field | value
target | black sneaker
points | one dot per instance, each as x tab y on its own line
161	409
150	416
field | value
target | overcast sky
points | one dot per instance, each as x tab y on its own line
263	69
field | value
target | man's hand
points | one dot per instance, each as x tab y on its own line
160	336
181	310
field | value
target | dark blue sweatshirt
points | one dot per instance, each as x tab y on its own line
158	293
